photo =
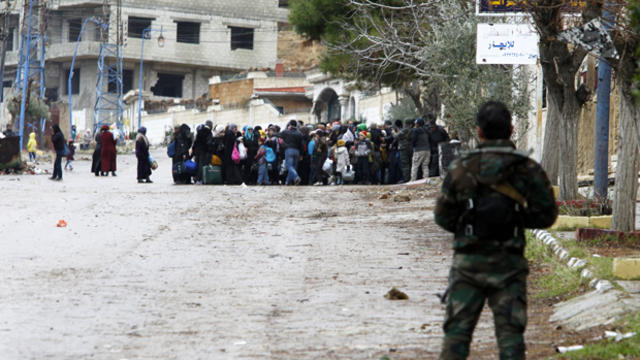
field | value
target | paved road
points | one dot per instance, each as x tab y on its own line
199	272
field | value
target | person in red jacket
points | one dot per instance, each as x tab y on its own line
108	151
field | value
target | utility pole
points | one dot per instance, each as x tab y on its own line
109	106
601	158
32	60
5	38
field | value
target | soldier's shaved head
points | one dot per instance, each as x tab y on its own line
494	119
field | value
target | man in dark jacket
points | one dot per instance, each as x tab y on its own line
421	147
437	135
489	196
406	149
58	145
183	141
292	142
9	131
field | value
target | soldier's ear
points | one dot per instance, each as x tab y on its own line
480	133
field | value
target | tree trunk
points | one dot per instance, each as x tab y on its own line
626	190
568	167
550	153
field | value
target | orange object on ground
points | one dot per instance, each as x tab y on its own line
61	223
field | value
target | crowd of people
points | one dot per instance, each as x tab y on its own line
320	154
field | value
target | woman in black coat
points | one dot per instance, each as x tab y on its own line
232	174
96	163
249	174
142	154
58	145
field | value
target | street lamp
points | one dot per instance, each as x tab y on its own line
146	34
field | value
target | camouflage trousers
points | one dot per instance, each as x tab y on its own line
406	159
467	294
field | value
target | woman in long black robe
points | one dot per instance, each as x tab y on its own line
96	163
142	154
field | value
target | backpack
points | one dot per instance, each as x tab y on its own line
171	149
494	211
270	155
235	154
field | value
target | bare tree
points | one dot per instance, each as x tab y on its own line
627	43
560	63
425	49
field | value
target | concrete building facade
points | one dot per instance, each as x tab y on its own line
202	38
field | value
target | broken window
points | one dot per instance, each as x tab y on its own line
137	25
168	85
188	32
127	82
75	25
75	82
241	38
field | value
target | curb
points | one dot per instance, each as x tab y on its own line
574	263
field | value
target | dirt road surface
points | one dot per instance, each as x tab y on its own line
158	271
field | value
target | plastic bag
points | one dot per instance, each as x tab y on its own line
190	167
348	174
328	166
235	154
243	151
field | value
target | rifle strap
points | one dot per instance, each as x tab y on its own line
509	191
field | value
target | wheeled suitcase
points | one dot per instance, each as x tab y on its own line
211	175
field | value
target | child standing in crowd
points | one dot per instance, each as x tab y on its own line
32	147
261	159
363	149
342	161
70	153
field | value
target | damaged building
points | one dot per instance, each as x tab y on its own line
199	39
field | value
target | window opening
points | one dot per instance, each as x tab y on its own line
75	25
75	82
10	39
137	25
188	32
127	82
241	38
168	85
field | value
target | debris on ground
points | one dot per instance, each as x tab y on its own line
402	198
618	335
564	349
61	223
395	294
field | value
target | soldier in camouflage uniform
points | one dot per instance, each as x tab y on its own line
489	197
405	147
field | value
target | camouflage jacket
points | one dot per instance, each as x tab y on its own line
404	139
495	162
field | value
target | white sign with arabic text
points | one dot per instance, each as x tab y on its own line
507	44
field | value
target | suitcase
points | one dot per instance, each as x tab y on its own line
211	175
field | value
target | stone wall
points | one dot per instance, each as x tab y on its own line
235	92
